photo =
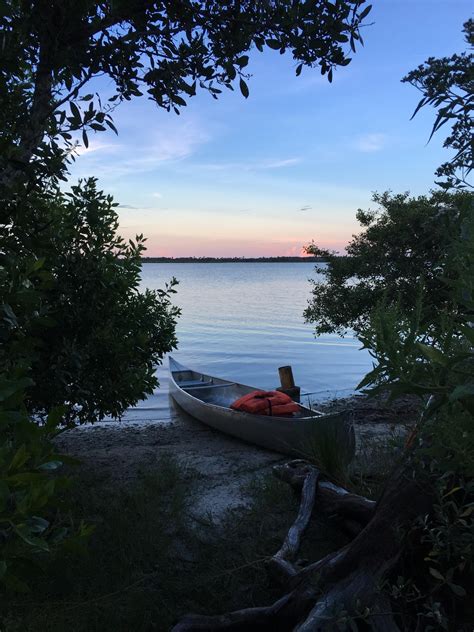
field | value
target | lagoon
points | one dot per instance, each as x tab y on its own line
241	321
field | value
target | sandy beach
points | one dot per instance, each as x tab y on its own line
116	453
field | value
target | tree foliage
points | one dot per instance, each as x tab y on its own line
406	287
52	49
448	85
406	241
30	526
100	337
429	352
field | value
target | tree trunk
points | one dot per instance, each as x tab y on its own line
40	110
346	583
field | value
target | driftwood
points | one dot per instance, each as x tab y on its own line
346	581
281	563
282	615
333	500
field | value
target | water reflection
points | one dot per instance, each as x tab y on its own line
241	321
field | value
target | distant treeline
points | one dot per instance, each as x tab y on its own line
232	259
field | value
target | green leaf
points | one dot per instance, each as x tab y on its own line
55	417
24	533
457	590
365	12
11	387
36	264
461	392
436	574
244	88
4	495
273	43
75	111
9	315
369	378
37	525
179	100
434	355
452	491
85	140
111	125
12	417
24	477
49	466
468	332
19	459
15	584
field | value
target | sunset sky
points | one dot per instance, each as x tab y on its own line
294	161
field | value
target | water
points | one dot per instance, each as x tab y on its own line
241	321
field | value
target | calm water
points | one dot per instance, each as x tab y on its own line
242	321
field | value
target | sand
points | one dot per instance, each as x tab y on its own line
222	467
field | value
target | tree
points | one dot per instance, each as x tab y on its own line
104	336
407	240
448	84
51	50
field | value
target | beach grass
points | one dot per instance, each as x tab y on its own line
150	560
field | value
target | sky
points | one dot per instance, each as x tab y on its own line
292	163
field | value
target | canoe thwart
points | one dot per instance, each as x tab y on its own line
195	387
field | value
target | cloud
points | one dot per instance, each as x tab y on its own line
278	164
156	195
95	146
371	142
166	145
259	165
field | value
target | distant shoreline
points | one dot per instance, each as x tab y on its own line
232	260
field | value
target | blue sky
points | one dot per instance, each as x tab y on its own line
230	177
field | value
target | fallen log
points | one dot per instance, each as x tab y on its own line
346	583
333	500
281	616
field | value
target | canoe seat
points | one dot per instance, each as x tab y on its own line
207	385
192	383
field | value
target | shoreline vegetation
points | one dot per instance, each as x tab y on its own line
202	537
233	260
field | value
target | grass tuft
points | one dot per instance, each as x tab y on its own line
150	560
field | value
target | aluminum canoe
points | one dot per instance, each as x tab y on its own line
208	399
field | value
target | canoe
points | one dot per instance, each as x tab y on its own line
208	399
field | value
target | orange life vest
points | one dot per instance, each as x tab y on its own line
266	403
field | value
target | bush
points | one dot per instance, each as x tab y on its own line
405	241
30	526
93	338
